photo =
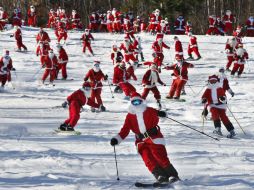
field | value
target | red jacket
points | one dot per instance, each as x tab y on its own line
149	80
3	16
5	65
130	71
42	37
95	78
193	42
180	71
127	49
51	63
178	47
228	19
120	75
18	34
158	48
62	57
212	21
87	38
140	124
42	51
241	55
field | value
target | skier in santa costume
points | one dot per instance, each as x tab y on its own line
128	49
120	79
116	55
62	60
95	76
43	37
214	96
178	47
75	102
31	14
86	38
230	50
180	77
212	30
18	38
224	82
143	122
61	33
150	78
240	57
229	19
193	47
3	18
5	68
42	50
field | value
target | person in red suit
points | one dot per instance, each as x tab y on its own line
179	25
93	22
193	47
18	38
155	20
3	18
214	97
128	49
117	20
240	58
137	25
131	70
51	19
62	61
212	30
116	55
224	82
143	122
75	20
238	34
161	27
110	20
120	79
228	19
43	37
180	77
61	34
86	38
220	26
42	50
149	81
16	18
95	76
157	47
31	14
188	27
75	102
5	68
230	50
250	27
50	64
178	47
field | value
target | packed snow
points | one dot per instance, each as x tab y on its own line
33	157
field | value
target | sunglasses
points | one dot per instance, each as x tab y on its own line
136	102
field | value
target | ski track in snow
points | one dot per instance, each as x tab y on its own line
33	157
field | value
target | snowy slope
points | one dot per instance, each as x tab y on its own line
32	157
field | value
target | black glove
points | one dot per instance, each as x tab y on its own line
162	114
37	55
13	69
113	141
5	69
106	77
204	101
222	99
102	108
205	112
43	66
12	35
232	94
64	105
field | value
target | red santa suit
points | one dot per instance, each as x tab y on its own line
250	27
61	34
121	77
75	101
224	82
117	20
50	64
62	61
18	38
51	19
93	19
212	26
95	76
238	34
155	20
75	20
180	77
228	19
230	49
103	23
43	37
240	58
116	55
5	68
215	98
16	18
129	50
157	47
86	38
143	122
32	19
179	25
110	20
193	46
42	50
178	47
3	18
131	70
161	27
137	25
188	27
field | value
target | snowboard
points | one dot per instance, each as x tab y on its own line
67	133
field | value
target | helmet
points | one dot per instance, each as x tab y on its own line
221	70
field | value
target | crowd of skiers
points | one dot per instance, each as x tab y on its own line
141	119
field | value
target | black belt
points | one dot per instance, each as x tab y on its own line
151	132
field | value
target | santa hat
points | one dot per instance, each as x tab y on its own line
86	85
159	35
213	77
136	96
153	66
96	63
7	52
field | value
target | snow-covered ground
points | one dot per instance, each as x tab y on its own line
32	157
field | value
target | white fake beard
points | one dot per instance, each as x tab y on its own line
87	93
240	51
96	69
137	109
215	85
32	10
51	56
6	59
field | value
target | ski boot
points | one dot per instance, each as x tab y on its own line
231	134
102	108
159	104
65	127
217	131
160	175
169	97
92	109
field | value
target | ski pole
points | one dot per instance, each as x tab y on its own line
116	164
110	90
200	90
35	74
236	120
190	88
193	128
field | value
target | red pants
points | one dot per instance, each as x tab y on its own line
64	36
237	67
228	28
42	59
74	114
31	21
212	30
3	79
129	57
2	24
219	114
96	94
152	27
127	88
117	26
159	59
109	27
153	155
88	46
20	44
230	61
93	26
62	66
47	72
155	91
176	87
193	49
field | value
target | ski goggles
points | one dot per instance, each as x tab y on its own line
136	102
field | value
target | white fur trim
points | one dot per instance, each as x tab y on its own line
136	98
159	141
119	139
141	122
214	95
